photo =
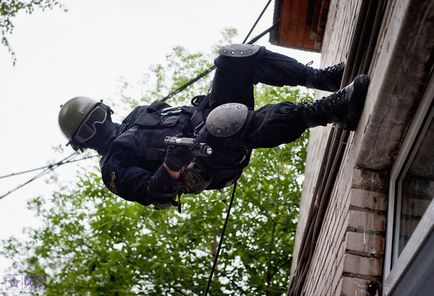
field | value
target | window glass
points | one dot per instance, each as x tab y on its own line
416	184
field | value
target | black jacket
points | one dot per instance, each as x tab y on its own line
132	165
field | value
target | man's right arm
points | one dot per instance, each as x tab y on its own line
135	183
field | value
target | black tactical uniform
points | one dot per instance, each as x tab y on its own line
134	152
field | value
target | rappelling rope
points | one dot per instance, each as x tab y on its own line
45	170
235	184
69	159
216	257
49	168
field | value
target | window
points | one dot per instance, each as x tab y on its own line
415	186
411	206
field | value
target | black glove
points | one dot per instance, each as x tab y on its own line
178	157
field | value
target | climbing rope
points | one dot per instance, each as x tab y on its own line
235	184
69	159
49	168
216	257
45	170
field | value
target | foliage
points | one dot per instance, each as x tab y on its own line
11	8
94	242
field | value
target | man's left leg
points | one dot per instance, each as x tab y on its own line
235	75
277	69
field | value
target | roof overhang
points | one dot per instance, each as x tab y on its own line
301	23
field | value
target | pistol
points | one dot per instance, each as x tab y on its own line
199	149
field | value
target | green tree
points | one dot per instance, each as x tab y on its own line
9	9
93	242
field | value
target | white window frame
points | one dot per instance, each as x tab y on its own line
394	272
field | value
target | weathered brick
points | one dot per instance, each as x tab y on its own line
363	242
355	286
362	265
366	221
369	180
368	199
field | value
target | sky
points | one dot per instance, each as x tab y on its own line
85	51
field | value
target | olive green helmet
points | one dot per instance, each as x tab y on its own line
77	119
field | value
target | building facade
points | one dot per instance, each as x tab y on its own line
367	212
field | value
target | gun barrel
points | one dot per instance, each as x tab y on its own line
200	149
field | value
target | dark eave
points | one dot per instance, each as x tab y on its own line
301	23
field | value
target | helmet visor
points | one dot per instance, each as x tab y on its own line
87	129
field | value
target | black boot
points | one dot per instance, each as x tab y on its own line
328	79
343	107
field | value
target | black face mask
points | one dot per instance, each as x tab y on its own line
105	132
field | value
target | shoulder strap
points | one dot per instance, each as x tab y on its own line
157	106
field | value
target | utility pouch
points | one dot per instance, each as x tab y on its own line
147	119
156	119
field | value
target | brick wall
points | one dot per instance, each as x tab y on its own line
365	232
348	254
341	18
349	251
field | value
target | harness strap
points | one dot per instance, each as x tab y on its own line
198	118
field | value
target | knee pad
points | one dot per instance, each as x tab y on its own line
227	120
233	55
239	50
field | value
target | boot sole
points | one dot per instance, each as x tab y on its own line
357	101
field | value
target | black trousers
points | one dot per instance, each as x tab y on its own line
270	125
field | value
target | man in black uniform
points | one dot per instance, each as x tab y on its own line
137	165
